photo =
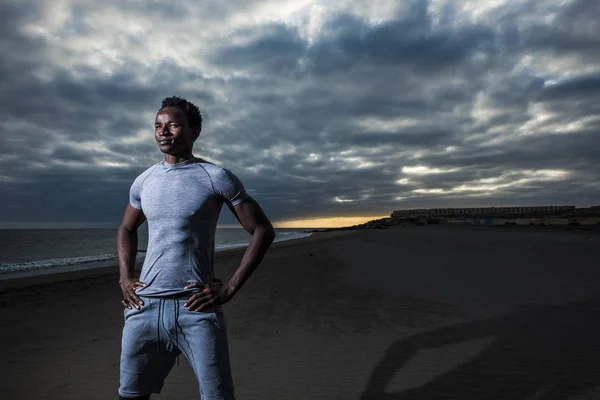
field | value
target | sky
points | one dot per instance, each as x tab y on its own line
325	110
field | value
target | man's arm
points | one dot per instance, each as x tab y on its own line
127	246
254	220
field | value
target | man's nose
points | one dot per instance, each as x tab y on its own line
164	130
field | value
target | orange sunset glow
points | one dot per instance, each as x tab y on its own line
332	222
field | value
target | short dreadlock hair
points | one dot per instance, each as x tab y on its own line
191	111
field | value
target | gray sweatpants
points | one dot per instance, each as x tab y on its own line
156	334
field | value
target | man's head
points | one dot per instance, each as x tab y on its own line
177	125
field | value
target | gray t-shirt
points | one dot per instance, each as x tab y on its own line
182	203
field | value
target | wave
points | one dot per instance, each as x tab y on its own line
107	259
60	262
279	238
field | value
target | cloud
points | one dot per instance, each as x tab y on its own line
578	87
323	110
277	49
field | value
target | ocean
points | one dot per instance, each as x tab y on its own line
53	250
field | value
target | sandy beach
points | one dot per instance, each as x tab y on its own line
436	312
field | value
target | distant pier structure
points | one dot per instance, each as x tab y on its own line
480	211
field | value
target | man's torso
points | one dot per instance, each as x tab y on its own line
182	203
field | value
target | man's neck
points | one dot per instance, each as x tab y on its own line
171	159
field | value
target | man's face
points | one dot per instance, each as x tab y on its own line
172	132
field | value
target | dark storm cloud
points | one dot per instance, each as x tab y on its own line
71	154
40	119
277	50
79	108
418	138
19	53
574	31
410	41
579	87
335	121
577	151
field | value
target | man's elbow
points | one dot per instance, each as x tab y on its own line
268	233
125	229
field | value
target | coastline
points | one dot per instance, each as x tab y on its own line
85	270
21	279
39	277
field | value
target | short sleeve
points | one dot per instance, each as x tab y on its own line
228	186
135	194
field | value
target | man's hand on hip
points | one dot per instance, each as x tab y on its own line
211	295
130	298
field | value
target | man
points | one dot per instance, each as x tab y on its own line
175	305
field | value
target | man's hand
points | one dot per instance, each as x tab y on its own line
211	295
130	298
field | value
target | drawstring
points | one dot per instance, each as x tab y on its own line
160	302
161	305
176	325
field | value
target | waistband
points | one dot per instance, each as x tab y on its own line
170	296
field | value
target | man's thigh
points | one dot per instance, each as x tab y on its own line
204	343
146	360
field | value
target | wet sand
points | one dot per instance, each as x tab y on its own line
434	312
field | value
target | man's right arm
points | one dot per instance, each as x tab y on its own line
127	246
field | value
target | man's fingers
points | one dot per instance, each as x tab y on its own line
132	296
132	299
202	306
191	299
134	303
127	303
137	299
197	299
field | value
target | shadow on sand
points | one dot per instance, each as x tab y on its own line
543	353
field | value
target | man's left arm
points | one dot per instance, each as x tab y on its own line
255	222
251	216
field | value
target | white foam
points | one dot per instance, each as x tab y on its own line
106	259
279	238
60	262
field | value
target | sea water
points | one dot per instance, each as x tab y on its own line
51	250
